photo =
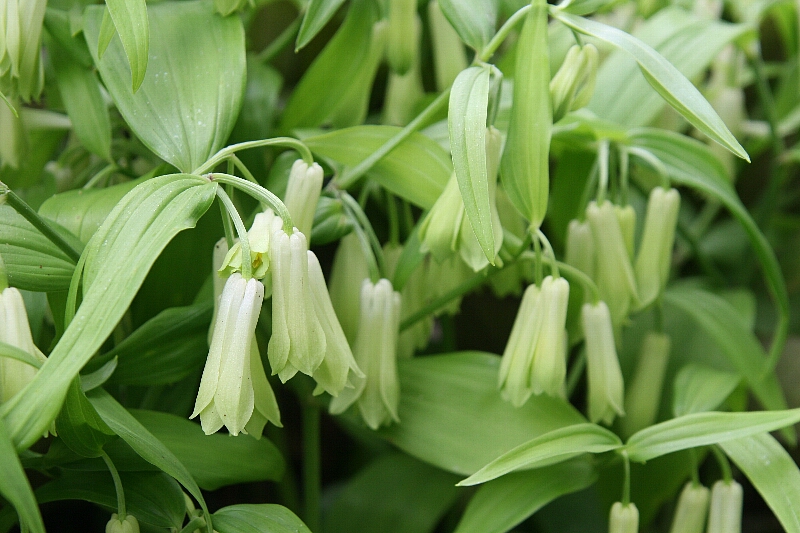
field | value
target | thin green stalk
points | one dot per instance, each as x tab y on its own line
228	151
312	472
227	226
121	510
284	38
724	464
107	171
360	218
571	272
602	165
626	481
244	242
194	524
502	33
259	193
21	207
394	220
695	467
575	373
456	292
548	249
538	272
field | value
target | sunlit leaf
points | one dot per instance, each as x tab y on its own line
318	13
700	388
473	20
130	20
264	518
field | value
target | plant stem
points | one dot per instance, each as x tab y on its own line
724	464
121	511
259	193
228	151
194	524
21	207
285	37
244	242
626	481
311	465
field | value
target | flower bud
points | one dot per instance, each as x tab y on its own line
626	216
614	275
298	341
128	525
15	330
439	231
655	251
378	393
330	222
643	396
449	58
302	194
623	518
348	273
404	91
690	515
580	248
402	46
258	238
605	377
725	512
573	85
534	361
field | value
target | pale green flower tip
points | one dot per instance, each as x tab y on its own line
580	247
655	253
573	85
128	525
692	509
348	271
302	194
16	331
606	388
623	518
439	232
725	511
643	397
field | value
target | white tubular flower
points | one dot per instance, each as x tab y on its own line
331	376
298	341
606	388
302	194
233	390
692	509
347	274
725	513
377	394
623	518
626	216
580	247
15	330
655	251
118	525
643	396
534	361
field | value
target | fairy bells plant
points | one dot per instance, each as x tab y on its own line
325	331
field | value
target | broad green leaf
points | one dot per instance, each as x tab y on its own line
82	211
187	105
773	472
686	41
106	33
551	448
363	505
130	20
469	100
702	429
165	349
525	166
143	442
699	388
663	77
57	24
501	504
118	257
722	322
342	72
417	170
318	13
473	20
80	92
79	425
214	460
452	415
32	262
154	498
14	485
258	518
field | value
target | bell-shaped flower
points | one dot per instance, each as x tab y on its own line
15	330
332	374
655	251
302	194
692	509
378	393
725	512
258	237
534	361
614	275
127	525
623	518
234	391
349	271
298	340
573	85
643	395
606	388
580	247
626	216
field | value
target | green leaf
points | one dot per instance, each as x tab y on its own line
318	13
97	378
130	20
118	257
363	506
57	23
107	32
258	518
501	504
699	388
14	486
187	105
32	262
473	20
773	472
452	416
417	169
154	498
551	448
686	41
663	77
143	442
214	460
80	92
525	165
469	100
702	429
343	71
79	425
